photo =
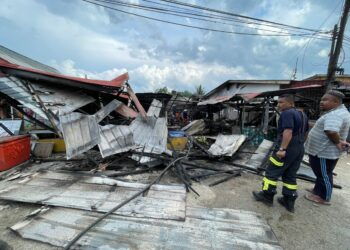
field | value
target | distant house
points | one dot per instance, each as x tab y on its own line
230	88
344	79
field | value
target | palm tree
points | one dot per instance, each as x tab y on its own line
199	90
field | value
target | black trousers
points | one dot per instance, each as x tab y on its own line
288	172
323	169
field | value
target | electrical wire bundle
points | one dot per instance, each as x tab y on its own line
207	19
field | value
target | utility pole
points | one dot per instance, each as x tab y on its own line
334	54
294	74
331	57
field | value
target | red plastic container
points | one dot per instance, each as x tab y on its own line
14	150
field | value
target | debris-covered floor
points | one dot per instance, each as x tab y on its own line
319	227
88	168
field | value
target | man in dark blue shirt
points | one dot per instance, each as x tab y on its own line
286	157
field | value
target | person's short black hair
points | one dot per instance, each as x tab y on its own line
337	94
288	97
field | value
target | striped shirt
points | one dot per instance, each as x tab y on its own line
318	143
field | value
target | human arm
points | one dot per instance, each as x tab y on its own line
335	138
286	137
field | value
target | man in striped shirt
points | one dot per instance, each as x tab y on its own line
325	143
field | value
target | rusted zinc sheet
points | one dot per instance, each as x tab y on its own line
227	145
155	108
56	78
58	100
61	100
16	58
194	127
203	229
150	133
81	132
260	154
16	90
65	189
13	125
115	139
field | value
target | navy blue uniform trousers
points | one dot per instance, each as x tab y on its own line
323	169
288	172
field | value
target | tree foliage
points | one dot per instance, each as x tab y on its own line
200	90
185	93
163	90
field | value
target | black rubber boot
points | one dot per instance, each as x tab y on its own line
264	197
287	202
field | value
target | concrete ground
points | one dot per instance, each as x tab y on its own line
311	227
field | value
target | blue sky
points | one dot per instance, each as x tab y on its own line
80	39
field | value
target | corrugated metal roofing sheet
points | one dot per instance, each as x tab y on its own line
58	100
13	125
16	58
203	228
61	100
226	145
81	132
250	96
35	74
14	88
150	133
241	83
100	194
115	140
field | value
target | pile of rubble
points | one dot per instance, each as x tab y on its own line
110	174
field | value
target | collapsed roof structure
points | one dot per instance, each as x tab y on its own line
82	111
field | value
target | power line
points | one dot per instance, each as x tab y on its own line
95	2
196	16
236	15
199	16
311	38
224	17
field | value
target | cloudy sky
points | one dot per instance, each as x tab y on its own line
80	38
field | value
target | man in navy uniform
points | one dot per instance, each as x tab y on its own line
286	157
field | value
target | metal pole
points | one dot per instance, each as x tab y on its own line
338	46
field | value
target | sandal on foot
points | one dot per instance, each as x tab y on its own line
317	199
310	190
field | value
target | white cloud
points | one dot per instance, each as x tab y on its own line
288	41
323	53
287	71
84	39
263	49
202	48
181	76
68	67
66	34
290	12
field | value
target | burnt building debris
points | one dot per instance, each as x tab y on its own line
100	152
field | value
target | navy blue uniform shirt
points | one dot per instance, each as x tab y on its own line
292	119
